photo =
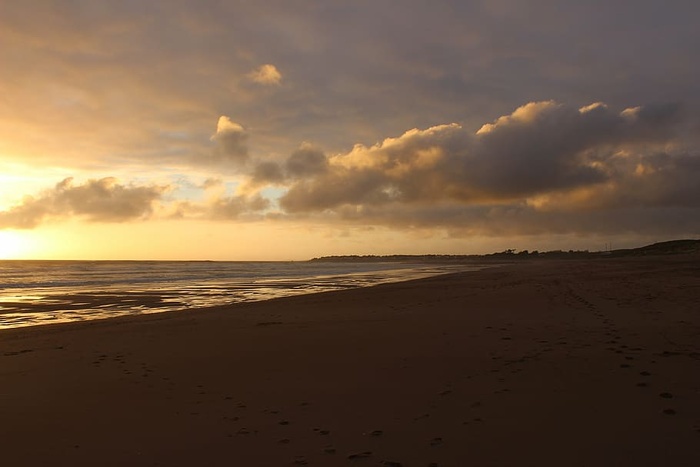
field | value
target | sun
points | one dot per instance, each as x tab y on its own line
13	245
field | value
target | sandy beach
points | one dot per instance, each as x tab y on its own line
540	363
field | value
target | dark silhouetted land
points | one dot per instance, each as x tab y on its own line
673	247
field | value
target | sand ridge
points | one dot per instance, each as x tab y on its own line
542	363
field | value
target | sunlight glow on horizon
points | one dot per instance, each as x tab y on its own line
211	241
14	245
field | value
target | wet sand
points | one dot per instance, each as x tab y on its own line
543	363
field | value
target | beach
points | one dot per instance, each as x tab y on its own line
536	363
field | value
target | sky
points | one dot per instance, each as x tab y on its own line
285	130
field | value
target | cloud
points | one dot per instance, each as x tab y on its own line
542	147
267	172
241	207
518	218
266	74
233	207
544	166
306	161
219	204
106	200
103	200
88	82
231	139
212	184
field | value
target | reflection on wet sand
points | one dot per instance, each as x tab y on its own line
55	305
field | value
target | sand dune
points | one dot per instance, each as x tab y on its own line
582	363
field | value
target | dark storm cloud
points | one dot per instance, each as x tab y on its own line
546	167
103	200
540	148
547	146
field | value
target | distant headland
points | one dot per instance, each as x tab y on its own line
672	247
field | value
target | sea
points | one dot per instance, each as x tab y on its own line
44	292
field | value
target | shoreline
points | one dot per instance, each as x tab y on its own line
37	305
567	363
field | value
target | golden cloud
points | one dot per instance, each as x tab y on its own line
266	74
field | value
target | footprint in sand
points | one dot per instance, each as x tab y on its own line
360	455
666	395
